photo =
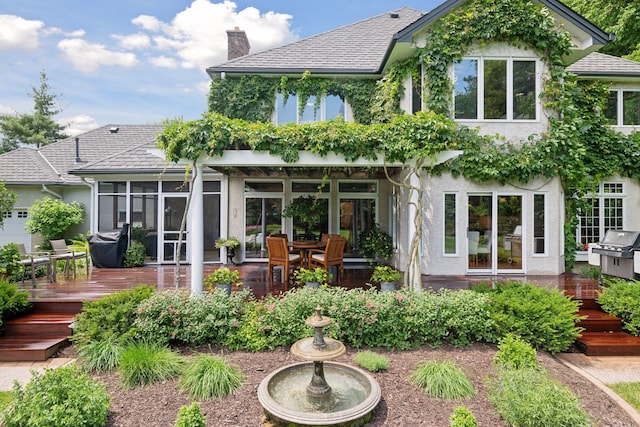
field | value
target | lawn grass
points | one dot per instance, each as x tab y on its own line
6	397
629	392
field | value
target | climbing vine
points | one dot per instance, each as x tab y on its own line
579	147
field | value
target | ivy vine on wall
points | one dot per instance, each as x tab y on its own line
579	147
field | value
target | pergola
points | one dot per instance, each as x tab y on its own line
258	159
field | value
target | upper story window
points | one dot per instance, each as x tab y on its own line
495	89
331	107
623	107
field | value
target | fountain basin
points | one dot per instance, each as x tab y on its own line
354	395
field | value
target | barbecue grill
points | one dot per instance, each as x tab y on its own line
617	252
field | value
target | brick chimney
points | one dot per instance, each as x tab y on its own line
238	44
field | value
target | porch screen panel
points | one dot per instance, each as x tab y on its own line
144	215
112	206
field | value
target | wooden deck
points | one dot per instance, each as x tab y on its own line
38	335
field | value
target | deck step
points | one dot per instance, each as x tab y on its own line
599	321
608	344
30	348
40	324
67	306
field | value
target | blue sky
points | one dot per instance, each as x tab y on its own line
141	61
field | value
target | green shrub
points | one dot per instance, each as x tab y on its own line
6	400
179	317
10	261
101	356
135	255
462	417
529	398
51	218
147	363
110	315
190	416
206	377
514	353
59	397
371	361
442	379
545	318
250	335
12	301
621	298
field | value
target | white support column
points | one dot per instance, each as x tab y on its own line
415	278
197	233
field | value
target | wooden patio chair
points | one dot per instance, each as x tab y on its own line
32	260
333	254
62	252
279	256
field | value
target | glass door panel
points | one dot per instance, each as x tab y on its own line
509	232
174	207
479	232
356	215
263	216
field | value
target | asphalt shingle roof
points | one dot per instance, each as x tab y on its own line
51	163
597	63
356	48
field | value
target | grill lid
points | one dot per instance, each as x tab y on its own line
620	238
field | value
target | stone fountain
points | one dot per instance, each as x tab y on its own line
318	391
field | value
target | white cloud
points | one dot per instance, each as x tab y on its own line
197	35
133	41
164	62
88	57
6	110
19	33
78	124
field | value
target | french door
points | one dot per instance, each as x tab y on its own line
495	233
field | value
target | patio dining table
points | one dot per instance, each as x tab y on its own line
305	247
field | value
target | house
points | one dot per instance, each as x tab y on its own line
495	86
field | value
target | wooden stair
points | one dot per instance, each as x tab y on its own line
603	334
40	333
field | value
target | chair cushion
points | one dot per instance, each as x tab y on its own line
293	257
319	257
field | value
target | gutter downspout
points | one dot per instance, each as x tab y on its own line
94	205
50	192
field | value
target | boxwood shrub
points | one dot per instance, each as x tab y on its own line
621	298
60	397
110	315
545	318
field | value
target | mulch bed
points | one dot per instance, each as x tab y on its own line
402	403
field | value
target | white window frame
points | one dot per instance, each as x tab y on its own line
293	100
456	196
601	196
620	106
480	94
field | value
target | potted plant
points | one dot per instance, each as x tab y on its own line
387	277
230	244
376	244
311	278
223	278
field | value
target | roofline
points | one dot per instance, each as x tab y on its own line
280	71
600	36
81	172
606	73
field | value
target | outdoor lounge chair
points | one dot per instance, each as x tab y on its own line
33	260
62	252
332	255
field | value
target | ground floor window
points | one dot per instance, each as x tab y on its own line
358	201
449	223
539	224
605	212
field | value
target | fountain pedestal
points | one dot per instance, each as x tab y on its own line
351	397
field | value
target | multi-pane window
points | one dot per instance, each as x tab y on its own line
450	221
495	89
623	108
606	212
539	224
329	107
7	214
